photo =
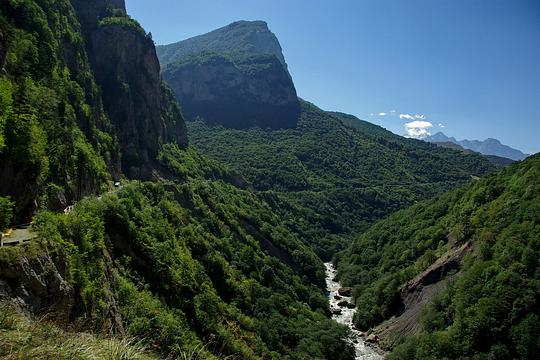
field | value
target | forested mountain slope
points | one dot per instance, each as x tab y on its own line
365	126
468	261
68	122
329	180
192	262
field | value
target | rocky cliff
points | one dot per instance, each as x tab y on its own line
235	76
81	101
142	109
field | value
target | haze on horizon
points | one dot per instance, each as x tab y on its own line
468	68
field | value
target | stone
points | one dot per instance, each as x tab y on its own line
345	291
372	339
335	311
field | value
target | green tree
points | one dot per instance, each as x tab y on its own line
6	212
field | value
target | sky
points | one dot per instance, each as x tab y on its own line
469	68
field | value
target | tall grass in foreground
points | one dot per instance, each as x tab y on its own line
22	338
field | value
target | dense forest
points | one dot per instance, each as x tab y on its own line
191	264
330	181
489	308
54	133
144	246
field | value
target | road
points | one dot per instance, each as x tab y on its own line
19	236
25	234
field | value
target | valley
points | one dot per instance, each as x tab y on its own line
250	224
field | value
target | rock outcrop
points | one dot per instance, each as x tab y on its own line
417	293
235	76
143	110
345	291
35	282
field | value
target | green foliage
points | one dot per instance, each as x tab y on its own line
22	338
330	181
6	212
6	102
198	264
492	309
121	19
52	126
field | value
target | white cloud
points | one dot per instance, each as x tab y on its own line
392	111
406	116
382	114
441	125
418	129
412	117
372	114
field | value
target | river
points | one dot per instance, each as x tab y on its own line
363	351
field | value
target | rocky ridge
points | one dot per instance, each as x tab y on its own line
235	76
141	107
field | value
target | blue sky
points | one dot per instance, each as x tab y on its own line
472	66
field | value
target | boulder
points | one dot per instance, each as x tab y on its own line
372	339
335	311
345	291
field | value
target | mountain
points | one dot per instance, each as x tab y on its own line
206	251
77	110
326	179
183	260
235	76
330	181
494	159
246	37
493	147
126	68
486	147
456	276
441	137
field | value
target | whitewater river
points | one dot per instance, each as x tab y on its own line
363	351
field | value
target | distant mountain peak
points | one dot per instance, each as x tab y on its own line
490	146
440	137
248	37
235	76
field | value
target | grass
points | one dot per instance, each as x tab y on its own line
22	338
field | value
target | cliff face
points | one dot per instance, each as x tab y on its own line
235	76
89	11
237	93
139	105
142	109
35	281
81	101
